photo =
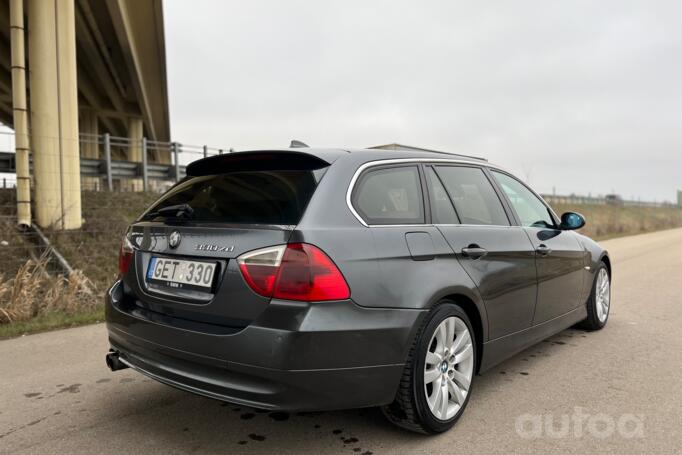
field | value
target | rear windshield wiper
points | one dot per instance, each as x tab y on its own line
173	211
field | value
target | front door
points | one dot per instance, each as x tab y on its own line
559	256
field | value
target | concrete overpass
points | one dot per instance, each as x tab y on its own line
78	67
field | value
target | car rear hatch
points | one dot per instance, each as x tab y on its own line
183	268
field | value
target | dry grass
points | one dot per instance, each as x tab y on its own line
14	249
607	221
32	292
33	297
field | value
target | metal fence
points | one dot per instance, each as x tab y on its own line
114	191
93	248
8	182
574	199
106	163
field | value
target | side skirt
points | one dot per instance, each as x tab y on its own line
500	349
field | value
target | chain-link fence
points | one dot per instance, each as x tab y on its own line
35	279
51	268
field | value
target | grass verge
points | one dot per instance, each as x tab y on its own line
610	221
52	321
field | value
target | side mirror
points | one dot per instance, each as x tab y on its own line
571	221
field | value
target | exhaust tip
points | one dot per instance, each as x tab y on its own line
114	362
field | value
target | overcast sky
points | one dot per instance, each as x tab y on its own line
584	96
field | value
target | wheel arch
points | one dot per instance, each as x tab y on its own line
607	262
474	310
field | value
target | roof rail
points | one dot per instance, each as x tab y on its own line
396	146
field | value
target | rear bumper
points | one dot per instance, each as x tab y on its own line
295	356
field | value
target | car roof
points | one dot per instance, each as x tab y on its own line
390	151
316	158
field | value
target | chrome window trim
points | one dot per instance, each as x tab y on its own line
375	163
496	226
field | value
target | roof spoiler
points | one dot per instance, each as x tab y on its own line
255	161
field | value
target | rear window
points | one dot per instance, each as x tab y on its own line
257	197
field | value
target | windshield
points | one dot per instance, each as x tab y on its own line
257	197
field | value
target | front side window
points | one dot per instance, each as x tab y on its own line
474	197
390	196
529	208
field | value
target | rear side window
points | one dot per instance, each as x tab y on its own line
390	196
442	210
258	197
472	193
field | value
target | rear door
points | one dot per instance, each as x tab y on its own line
560	257
497	255
184	262
390	199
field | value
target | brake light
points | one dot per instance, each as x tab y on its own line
125	256
297	271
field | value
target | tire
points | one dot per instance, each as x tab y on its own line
417	406
599	302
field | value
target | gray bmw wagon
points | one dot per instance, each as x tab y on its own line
318	279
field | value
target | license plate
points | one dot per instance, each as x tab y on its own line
181	274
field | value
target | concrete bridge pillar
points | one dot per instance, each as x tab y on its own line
135	134
89	128
54	113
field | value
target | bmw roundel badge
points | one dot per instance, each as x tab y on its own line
174	239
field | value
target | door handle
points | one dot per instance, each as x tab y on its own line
543	250
474	251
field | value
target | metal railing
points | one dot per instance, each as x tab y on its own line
158	161
574	199
8	182
111	167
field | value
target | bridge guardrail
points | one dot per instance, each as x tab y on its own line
109	170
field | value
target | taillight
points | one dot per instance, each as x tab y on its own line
308	274
125	256
297	271
260	268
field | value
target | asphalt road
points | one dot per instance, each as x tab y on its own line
614	391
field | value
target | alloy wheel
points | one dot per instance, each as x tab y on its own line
449	368
603	295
